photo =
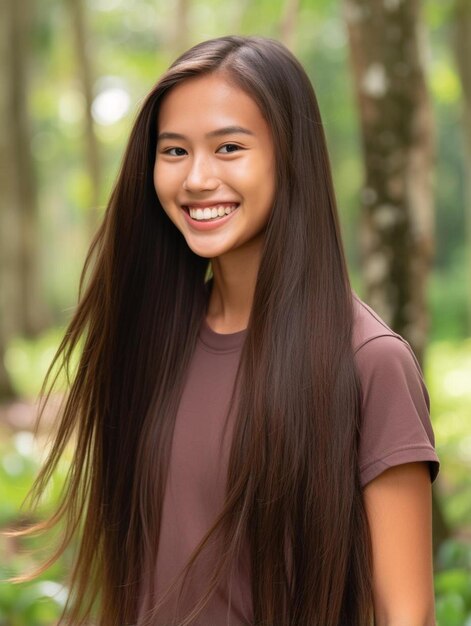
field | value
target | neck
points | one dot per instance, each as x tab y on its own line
234	278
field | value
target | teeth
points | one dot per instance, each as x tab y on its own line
209	213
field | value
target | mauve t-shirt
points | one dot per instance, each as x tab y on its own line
396	428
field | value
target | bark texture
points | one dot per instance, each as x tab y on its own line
31	313
461	43
181	30
397	229
22	308
288	24
397	132
83	52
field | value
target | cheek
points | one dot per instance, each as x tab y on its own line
156	177
256	177
159	183
262	184
165	184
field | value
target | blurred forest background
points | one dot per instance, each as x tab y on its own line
393	80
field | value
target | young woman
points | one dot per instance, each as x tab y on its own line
253	443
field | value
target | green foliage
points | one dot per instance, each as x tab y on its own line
453	584
449	295
438	12
447	371
34	604
21	457
27	361
40	601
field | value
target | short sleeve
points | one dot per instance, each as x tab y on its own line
395	420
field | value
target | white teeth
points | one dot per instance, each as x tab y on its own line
209	213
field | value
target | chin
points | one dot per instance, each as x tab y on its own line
203	251
207	252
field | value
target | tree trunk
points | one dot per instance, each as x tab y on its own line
181	32
84	66
9	223
288	24
397	228
31	313
461	43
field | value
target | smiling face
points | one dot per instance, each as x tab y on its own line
214	171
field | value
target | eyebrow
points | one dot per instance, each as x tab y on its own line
227	130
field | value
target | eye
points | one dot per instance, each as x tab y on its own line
231	146
169	150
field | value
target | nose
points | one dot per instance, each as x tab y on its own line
201	175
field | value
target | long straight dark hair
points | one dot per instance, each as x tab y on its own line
293	489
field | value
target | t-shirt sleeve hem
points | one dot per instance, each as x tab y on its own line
375	467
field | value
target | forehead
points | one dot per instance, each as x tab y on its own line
207	102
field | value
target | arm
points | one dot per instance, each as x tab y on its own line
398	504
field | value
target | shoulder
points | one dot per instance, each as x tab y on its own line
379	351
395	404
368	325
